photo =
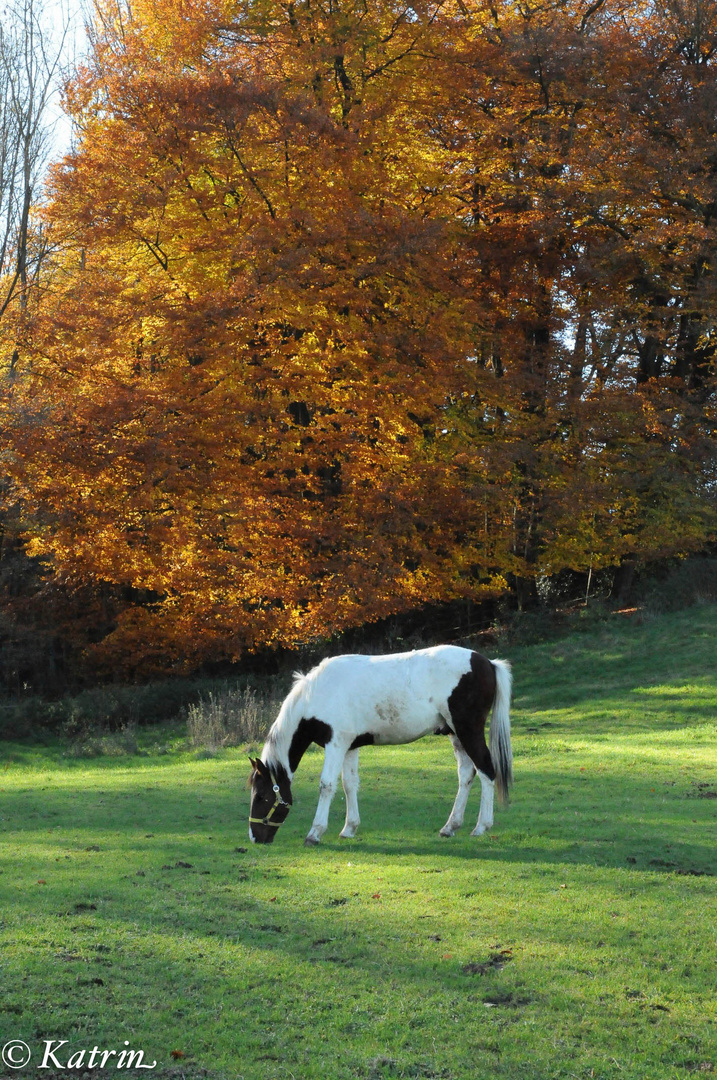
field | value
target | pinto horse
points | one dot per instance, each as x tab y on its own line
352	701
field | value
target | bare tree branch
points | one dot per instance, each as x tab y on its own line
30	57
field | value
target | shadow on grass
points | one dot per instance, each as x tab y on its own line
555	817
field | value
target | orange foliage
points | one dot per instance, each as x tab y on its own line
364	307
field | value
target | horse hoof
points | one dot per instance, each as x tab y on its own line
446	832
480	830
310	842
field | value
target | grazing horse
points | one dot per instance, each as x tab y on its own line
352	701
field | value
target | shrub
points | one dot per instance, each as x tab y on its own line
23	717
114	707
229	717
678	586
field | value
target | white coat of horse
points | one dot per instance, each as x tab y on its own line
352	701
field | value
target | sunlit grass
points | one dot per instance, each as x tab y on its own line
348	961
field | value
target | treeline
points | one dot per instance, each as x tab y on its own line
353	309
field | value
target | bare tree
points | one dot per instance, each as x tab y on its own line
30	53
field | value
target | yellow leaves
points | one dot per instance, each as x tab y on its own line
329	340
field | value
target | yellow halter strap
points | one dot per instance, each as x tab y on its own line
278	801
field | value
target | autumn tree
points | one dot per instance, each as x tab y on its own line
366	306
31	51
590	133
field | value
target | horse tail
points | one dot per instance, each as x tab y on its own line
499	737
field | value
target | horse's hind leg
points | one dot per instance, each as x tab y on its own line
485	815
475	746
469	705
350	778
466	775
333	760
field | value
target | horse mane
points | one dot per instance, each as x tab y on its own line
276	748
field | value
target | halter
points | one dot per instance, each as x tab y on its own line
278	801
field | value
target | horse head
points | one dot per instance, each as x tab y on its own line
270	802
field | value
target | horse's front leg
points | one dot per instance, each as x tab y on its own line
351	781
333	760
466	775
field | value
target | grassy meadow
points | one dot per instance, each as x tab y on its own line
578	939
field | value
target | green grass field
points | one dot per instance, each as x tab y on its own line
576	940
